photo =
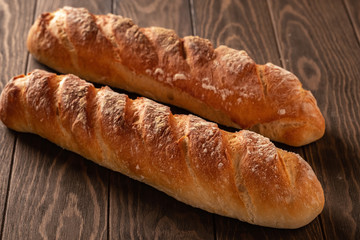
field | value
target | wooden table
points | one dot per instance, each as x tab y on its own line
47	192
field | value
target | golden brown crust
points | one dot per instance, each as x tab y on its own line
223	84
240	175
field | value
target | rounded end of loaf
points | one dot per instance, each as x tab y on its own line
45	42
10	103
295	118
294	132
306	189
279	188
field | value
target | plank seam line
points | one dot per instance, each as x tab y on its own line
8	187
214	225
322	227
192	17
351	20
282	60
28	54
112	7
308	156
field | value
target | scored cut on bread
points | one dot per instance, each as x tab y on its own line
236	174
223	85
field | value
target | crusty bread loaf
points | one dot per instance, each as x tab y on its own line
223	84
240	175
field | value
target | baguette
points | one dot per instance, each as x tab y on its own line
223	85
240	175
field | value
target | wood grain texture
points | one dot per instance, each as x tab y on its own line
7	141
162	13
232	229
353	7
243	25
141	212
55	194
94	6
136	210
318	40
15	19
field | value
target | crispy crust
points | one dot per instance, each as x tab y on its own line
240	175
223	84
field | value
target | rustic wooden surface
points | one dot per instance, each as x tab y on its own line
48	193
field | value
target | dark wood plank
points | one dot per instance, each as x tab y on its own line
7	142
353	7
15	19
168	14
227	228
246	25
94	6
317	39
136	210
242	25
54	193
